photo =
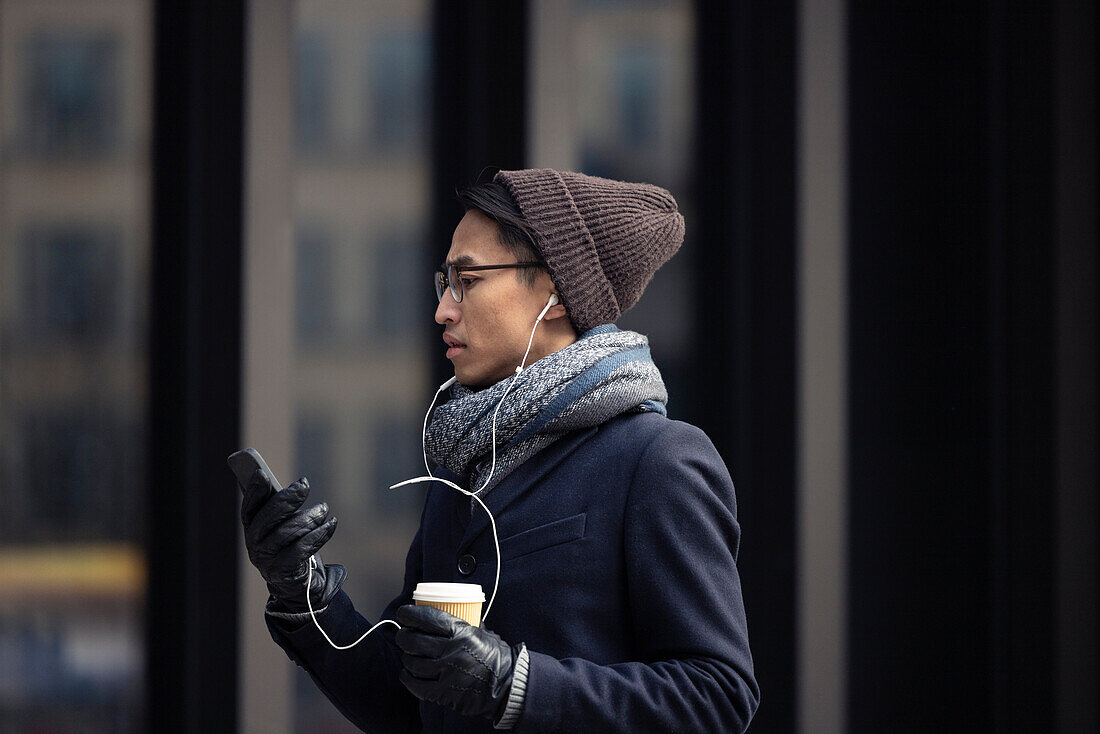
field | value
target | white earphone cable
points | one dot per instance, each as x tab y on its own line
313	615
452	485
523	363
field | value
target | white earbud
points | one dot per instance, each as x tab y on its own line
552	302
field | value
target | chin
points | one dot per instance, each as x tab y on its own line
469	379
476	381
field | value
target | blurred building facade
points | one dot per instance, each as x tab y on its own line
75	94
362	165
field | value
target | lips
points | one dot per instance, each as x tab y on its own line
454	346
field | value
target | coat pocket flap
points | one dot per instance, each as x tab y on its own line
544	536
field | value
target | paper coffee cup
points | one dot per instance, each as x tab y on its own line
462	600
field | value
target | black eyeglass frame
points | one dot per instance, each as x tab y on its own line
448	278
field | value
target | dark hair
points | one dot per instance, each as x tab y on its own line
516	233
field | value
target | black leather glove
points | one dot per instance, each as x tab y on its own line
281	538
455	664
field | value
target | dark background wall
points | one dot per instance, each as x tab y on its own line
745	388
925	319
953	366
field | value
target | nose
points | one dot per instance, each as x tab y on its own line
447	311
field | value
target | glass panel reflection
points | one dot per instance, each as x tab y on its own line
361	206
74	247
627	76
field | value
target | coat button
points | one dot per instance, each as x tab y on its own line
467	564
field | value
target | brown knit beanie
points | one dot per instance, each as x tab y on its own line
601	240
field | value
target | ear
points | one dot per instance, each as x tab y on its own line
554	311
557	310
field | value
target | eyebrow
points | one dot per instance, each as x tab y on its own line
460	262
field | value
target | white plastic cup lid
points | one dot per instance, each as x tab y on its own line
446	592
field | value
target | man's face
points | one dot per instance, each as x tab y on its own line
487	333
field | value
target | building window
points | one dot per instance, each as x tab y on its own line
638	69
396	457
81	477
398	92
313	440
629	138
398	287
314	280
71	93
72	289
312	99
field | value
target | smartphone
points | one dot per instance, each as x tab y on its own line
245	463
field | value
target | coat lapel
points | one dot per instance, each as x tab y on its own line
518	483
458	503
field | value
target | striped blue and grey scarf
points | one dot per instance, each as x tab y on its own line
605	373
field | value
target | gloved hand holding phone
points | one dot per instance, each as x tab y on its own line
281	537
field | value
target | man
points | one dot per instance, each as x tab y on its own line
619	606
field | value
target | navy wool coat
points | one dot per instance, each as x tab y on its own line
618	570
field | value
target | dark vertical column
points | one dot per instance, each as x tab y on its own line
195	365
1077	677
479	85
950	381
1021	250
920	583
744	232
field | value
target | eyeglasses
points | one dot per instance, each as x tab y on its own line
450	279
